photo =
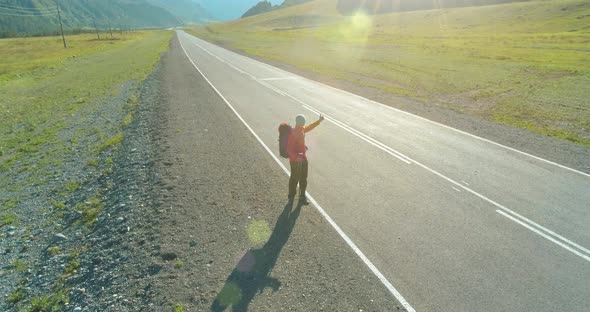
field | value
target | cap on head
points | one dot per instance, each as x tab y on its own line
300	120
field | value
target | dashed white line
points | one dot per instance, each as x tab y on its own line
464	182
456	189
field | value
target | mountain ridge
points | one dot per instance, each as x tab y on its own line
39	17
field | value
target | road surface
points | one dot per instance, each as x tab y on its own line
448	221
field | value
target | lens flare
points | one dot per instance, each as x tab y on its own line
258	231
230	295
358	28
361	21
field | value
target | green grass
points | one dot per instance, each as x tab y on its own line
7	204
17	295
178	308
19	265
58	205
90	210
111	142
50	96
71	268
46	89
523	64
72	186
53	250
44	85
8	219
49	303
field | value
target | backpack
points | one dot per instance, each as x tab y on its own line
284	132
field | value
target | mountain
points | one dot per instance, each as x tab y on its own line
225	10
347	7
259	8
189	11
38	17
266	6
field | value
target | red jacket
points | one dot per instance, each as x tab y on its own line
296	143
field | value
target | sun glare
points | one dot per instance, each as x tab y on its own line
358	28
361	21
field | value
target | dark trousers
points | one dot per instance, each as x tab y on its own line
298	175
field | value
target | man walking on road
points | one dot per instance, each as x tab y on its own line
296	149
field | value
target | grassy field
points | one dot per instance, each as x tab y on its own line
42	85
523	64
62	116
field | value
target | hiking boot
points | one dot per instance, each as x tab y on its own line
303	200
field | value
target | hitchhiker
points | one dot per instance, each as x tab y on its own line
296	149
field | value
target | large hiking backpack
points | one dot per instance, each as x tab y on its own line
284	131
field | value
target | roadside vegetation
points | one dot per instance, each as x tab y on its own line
62	113
523	64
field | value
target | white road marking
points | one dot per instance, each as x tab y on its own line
270	87
350	243
464	182
413	115
583	256
280	78
359	134
456	189
228	63
409	160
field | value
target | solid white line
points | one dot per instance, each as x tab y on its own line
350	243
270	87
226	62
280	78
408	160
360	135
407	113
583	256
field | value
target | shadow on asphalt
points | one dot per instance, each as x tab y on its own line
252	273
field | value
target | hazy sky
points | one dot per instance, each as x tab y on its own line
230	9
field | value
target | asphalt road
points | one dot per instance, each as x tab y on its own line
453	222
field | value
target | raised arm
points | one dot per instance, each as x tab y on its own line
313	125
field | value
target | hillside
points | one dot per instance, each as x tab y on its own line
524	64
225	10
380	7
266	6
188	11
39	17
259	8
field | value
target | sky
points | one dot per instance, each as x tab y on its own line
229	9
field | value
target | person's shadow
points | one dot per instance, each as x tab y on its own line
252	274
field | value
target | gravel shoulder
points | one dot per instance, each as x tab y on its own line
227	235
559	151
